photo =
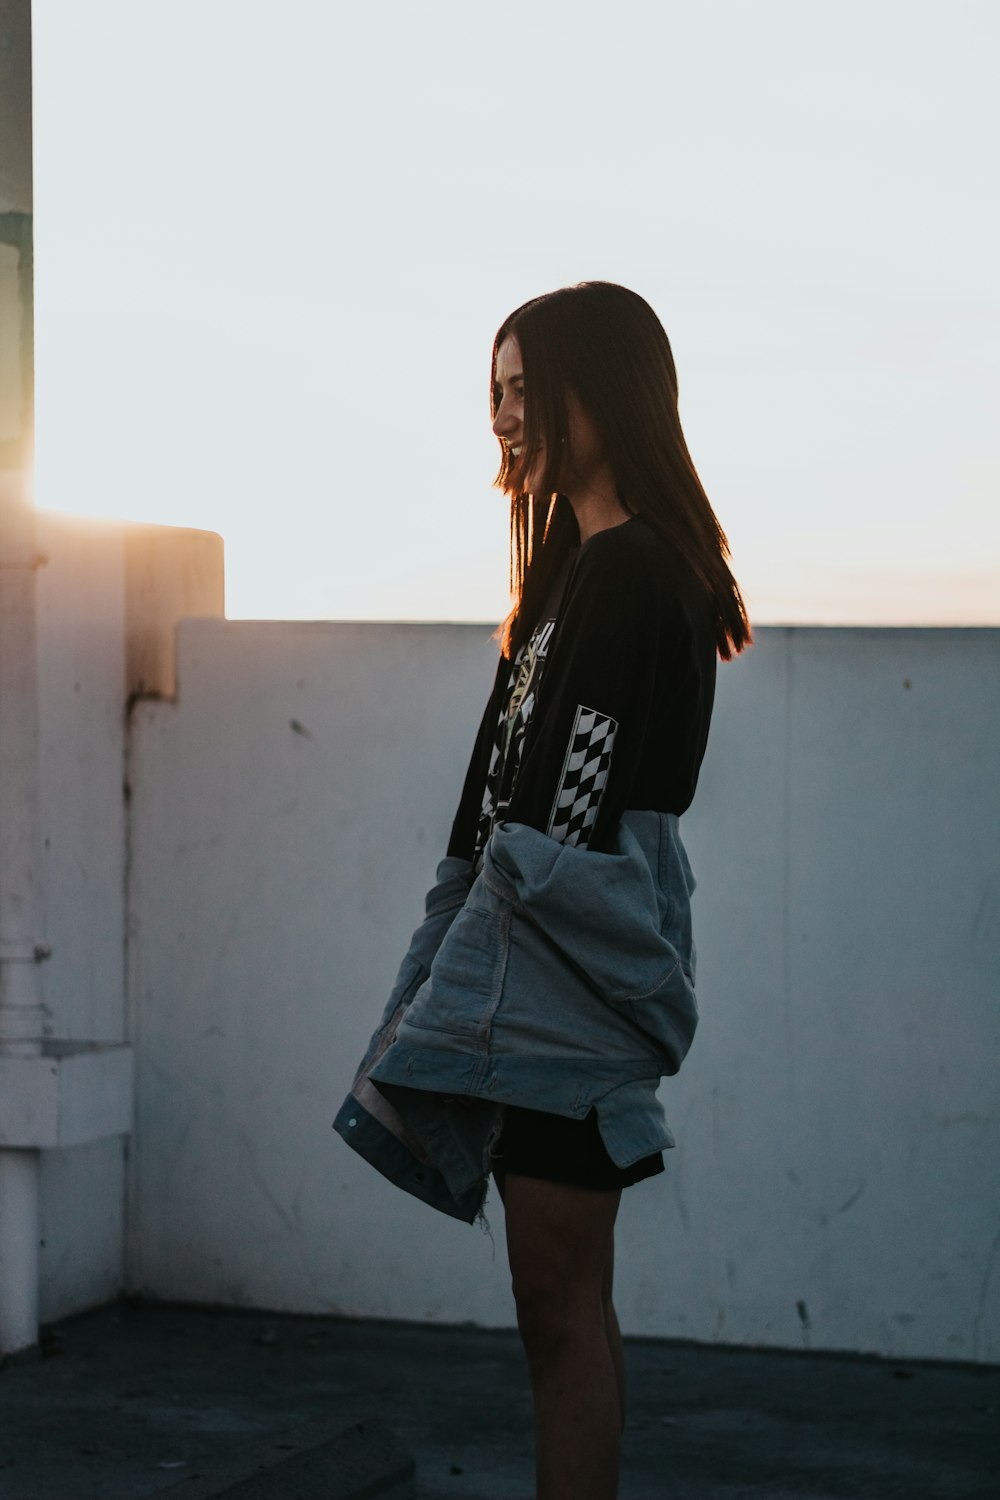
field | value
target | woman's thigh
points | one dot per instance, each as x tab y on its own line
560	1242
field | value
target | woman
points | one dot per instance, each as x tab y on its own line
551	984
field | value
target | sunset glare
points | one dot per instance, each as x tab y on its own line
273	246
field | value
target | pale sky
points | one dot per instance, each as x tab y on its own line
273	244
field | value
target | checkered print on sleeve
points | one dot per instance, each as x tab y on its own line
584	777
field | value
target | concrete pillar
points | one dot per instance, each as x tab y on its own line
172	573
21	945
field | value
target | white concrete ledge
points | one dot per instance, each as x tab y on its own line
74	1093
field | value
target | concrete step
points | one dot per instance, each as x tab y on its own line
337	1459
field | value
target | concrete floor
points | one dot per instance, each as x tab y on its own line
125	1402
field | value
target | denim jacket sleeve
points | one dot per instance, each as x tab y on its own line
406	1147
443	902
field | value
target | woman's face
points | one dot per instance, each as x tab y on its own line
585	448
508	398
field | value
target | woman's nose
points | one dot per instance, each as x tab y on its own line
505	423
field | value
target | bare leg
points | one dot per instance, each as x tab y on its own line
613	1331
560	1242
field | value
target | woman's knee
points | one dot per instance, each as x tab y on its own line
543	1292
555	1298
550	1326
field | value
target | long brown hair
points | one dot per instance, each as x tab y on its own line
607	345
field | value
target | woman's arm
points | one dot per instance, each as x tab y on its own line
463	831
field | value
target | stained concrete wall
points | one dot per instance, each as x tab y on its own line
838	1123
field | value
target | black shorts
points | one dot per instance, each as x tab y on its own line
533	1143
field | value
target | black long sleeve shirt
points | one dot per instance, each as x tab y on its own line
607	707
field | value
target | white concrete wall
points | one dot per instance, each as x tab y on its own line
840	1113
835	1182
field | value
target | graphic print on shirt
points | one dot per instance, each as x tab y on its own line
583	778
519	703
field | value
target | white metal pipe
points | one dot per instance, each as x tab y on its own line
21	1021
18	1249
21	1015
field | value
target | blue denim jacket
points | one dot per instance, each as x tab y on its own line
557	978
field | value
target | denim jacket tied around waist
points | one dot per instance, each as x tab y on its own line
557	978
